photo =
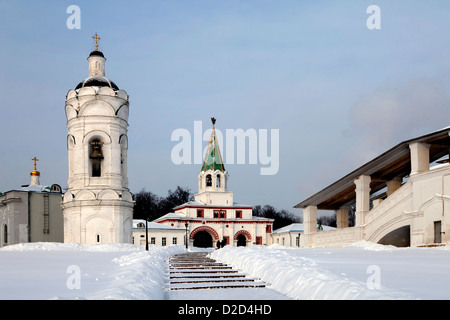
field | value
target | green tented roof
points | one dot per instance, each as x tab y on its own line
213	159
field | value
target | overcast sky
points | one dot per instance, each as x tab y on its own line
338	93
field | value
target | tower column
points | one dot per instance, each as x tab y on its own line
420	157
342	217
362	199
310	225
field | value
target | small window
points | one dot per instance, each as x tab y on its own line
5	234
259	240
174	240
238	214
218	181
164	242
152	240
199	213
55	188
220	214
208	180
98	238
141	225
268	228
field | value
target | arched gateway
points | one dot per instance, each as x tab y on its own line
204	237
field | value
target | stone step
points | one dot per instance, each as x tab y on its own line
198	286
207	271
217	275
210	280
193	271
200	268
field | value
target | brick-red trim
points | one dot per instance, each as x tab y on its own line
207	229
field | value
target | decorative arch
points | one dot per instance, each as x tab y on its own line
245	233
71	142
85	195
123	112
97	108
108	194
207	229
101	135
71	112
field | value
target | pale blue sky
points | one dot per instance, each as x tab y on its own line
338	92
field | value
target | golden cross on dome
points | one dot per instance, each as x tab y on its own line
35	159
96	38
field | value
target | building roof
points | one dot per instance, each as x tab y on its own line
396	162
181	216
96	53
97	82
195	204
297	227
213	158
154	225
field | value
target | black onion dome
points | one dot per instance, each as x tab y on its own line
96	53
97	82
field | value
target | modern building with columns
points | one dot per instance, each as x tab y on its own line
213	215
401	198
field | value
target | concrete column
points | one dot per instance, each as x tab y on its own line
309	224
362	199
393	185
420	157
342	217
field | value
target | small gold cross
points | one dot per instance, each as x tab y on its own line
96	38
35	159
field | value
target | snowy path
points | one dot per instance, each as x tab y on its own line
194	276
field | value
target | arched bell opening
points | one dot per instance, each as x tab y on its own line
96	157
208	180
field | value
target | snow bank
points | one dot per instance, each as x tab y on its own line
288	271
52	246
111	271
140	275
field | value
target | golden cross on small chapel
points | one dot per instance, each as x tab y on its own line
35	159
96	38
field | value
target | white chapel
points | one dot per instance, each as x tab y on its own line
213	215
97	206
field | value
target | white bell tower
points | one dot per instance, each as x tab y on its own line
97	207
213	178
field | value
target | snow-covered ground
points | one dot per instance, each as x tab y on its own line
125	271
362	271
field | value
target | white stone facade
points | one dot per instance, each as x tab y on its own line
98	206
413	210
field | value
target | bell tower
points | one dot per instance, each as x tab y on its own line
97	206
213	178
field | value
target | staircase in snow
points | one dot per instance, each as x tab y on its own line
194	270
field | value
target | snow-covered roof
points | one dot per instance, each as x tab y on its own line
153	225
297	227
36	188
170	215
201	204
